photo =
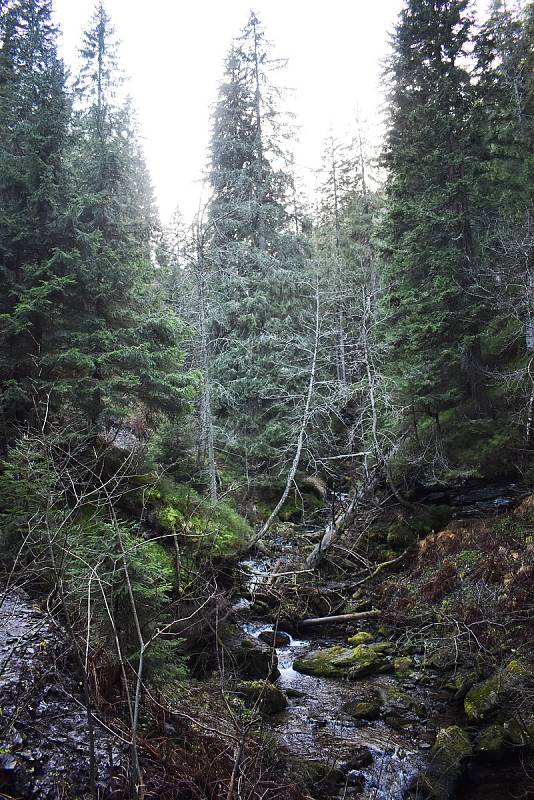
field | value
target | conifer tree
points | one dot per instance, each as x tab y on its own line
260	296
35	250
121	343
433	319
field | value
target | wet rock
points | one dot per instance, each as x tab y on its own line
43	731
275	638
263	695
449	751
361	757
252	659
355	779
362	709
395	700
295	693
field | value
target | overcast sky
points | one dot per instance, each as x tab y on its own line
173	52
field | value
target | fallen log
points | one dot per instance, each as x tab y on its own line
343	520
339	618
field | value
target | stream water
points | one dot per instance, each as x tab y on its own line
370	759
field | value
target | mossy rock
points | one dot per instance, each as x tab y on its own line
263	695
361	709
403	666
344	662
451	747
482	698
519	734
461	683
362	637
395	700
486	697
491	741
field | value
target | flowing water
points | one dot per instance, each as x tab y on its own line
373	760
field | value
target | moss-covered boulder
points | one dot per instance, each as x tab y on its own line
519	733
451	747
345	662
491	741
263	695
362	637
403	666
362	709
485	698
395	701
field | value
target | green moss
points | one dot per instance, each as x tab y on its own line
338	662
403	666
263	695
482	699
363	637
451	745
216	528
485	697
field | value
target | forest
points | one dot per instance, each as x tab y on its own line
267	475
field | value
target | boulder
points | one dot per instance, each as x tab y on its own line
275	638
450	749
491	742
395	700
403	666
359	758
252	659
263	695
485	698
345	662
362	709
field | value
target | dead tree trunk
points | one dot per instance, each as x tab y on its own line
303	425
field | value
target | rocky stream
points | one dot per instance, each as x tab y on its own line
387	729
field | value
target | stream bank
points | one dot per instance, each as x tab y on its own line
406	733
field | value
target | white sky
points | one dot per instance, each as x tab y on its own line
173	52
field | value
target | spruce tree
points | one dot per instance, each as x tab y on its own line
260	299
121	344
35	247
432	317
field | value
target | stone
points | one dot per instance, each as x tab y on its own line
344	662
266	696
362	709
275	638
449	751
486	697
491	741
361	757
403	666
363	637
395	700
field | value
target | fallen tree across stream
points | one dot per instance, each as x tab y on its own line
340	618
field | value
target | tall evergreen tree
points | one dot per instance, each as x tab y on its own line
260	298
121	343
34	242
433	319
